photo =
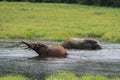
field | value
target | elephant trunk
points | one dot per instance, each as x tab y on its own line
29	46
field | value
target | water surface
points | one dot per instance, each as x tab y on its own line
14	60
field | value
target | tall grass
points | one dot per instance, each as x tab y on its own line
42	21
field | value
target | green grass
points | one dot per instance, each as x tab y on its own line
61	76
56	22
13	77
70	76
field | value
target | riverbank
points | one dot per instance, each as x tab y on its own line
61	76
56	22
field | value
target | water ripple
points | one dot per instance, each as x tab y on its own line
14	60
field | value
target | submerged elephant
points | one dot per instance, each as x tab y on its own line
76	43
46	51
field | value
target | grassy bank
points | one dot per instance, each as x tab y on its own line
61	76
70	76
41	21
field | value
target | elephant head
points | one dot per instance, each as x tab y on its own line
95	45
37	47
46	51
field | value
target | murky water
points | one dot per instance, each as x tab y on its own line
14	60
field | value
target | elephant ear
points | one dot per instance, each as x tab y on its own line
43	48
91	41
94	42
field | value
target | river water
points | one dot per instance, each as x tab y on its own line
14	60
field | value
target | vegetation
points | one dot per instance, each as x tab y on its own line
13	77
43	21
61	76
70	76
112	3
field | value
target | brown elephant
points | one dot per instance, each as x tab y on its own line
76	43
46	51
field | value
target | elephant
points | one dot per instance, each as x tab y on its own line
82	44
45	51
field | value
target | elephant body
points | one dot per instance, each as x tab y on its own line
56	51
47	51
76	43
